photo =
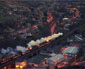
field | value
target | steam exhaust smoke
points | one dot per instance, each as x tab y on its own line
32	43
7	52
21	49
3	51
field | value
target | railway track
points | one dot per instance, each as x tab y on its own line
42	47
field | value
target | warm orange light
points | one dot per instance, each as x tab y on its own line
17	66
47	40
76	63
5	68
21	67
66	56
59	66
65	62
65	48
23	63
38	45
30	48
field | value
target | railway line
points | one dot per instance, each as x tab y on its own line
36	50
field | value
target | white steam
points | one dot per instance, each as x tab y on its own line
12	52
33	43
21	49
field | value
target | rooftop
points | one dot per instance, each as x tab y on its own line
72	50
